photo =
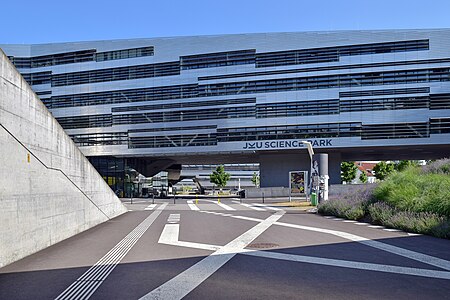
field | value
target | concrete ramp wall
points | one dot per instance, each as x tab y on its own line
48	190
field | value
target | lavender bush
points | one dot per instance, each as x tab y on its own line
351	205
441	166
422	222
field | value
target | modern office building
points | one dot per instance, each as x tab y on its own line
248	98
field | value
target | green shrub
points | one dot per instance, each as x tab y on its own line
413	190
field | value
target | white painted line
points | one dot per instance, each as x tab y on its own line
250	206
88	283
182	284
170	234
413	234
424	258
352	264
247	218
150	207
349	221
329	217
223	205
337	219
267	206
392	230
375	226
358	223
192	206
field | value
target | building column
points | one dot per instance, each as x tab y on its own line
334	167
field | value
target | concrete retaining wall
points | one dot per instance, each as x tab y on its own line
269	192
48	190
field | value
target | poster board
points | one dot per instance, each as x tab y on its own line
298	183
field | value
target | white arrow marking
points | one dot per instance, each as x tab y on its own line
182	284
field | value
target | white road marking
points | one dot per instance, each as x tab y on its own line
352	264
88	283
182	284
192	206
359	223
424	258
337	219
150	207
392	230
431	260
375	226
246	218
267	206
169	236
329	217
173	218
250	206
223	205
413	234
349	221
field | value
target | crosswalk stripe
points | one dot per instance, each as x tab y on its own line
150	207
224	206
250	206
267	206
192	206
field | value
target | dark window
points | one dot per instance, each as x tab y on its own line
184	104
125	53
188	140
332	54
113	74
440	125
395	131
85	121
218	59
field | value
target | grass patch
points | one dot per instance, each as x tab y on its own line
415	200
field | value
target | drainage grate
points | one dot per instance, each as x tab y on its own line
262	245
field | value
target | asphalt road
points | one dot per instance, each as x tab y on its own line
232	251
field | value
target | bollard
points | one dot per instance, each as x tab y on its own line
153	201
174	198
131	199
196	199
263	197
218	198
240	197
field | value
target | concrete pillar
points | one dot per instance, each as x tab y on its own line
334	167
274	168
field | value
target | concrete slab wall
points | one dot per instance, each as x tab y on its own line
275	168
48	190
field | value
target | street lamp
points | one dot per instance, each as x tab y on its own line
311	153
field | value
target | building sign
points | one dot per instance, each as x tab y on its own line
286	144
298	182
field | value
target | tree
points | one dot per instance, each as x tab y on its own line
219	177
383	169
363	177
348	171
404	164
255	179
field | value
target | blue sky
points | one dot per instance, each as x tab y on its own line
47	21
